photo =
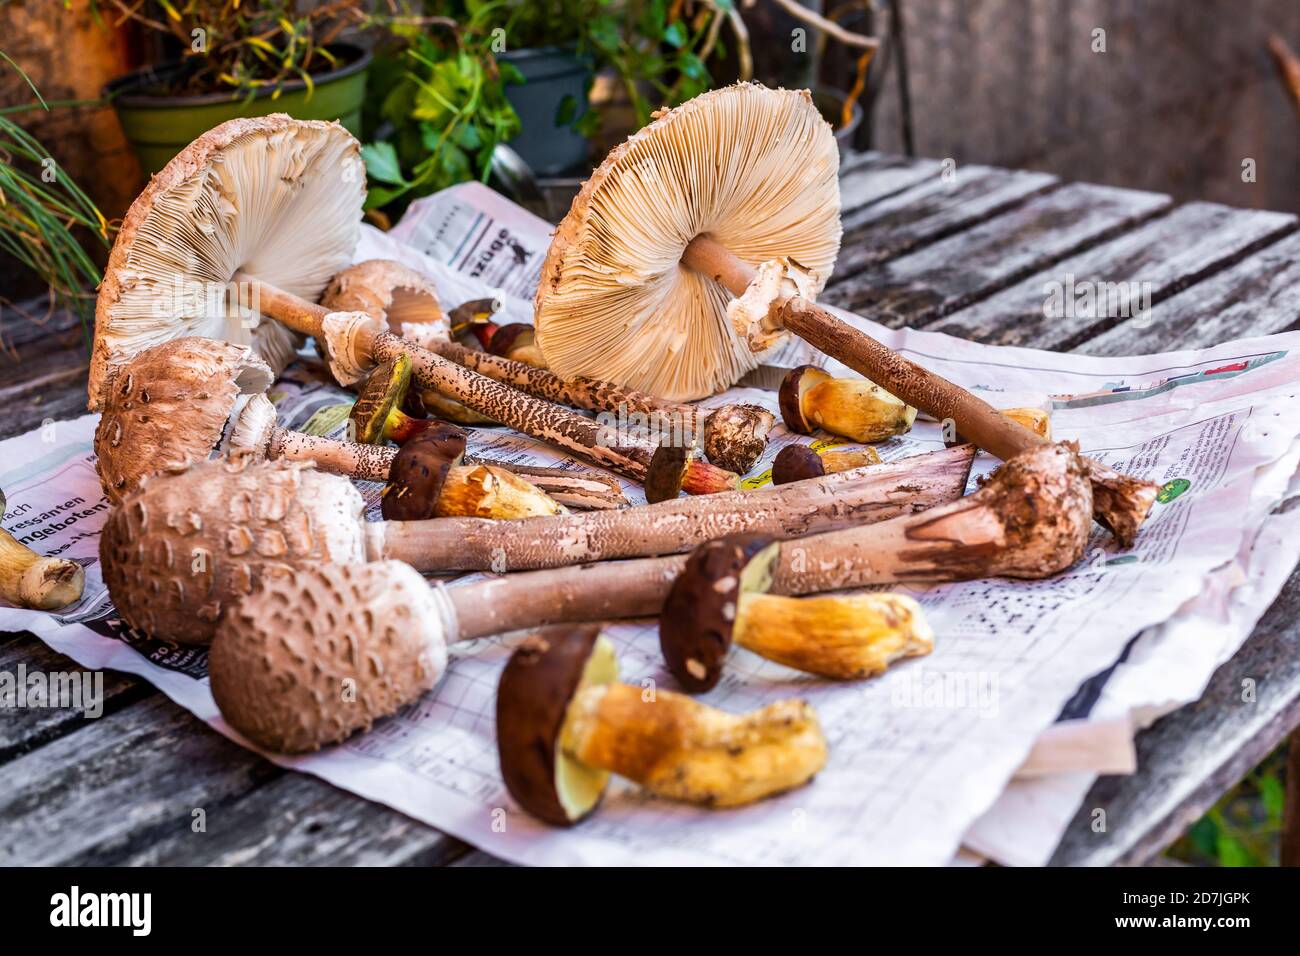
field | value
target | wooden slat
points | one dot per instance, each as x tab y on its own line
875	176
929	211
1190	758
1163	257
41	385
1257	296
942	277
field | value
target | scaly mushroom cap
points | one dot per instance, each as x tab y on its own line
699	614
182	547
277	198
542	676
166	408
418	472
383	391
388	290
316	654
756	169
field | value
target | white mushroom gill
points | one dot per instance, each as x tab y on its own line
755	169
277	199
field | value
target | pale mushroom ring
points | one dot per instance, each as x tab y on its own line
754	169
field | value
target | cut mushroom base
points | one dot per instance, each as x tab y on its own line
565	724
744	186
183	546
733	436
30	580
721	598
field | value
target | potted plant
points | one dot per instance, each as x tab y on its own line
239	59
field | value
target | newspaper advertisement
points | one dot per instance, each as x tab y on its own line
918	754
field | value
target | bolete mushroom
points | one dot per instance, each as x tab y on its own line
564	724
182	546
427	480
515	341
721	597
673	470
854	408
732	436
743	185
30	580
798	462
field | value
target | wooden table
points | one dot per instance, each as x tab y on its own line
969	256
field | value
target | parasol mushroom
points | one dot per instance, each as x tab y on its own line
733	435
565	724
721	598
797	462
850	407
30	580
704	238
181	547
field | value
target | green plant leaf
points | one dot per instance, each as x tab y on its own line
382	164
675	35
1273	794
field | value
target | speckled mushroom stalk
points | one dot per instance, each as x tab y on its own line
721	598
184	546
358	342
733	436
30	580
565	724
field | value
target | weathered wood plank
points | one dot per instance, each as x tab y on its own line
1065	305
1190	758
41	385
1257	296
938	279
25	728
932	210
876	176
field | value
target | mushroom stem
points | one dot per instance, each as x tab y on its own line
545	421
30	580
1121	502
734	436
680	749
843	637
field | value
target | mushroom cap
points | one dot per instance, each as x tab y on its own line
277	198
388	290
794	386
695	626
735	436
181	547
166	407
754	168
318	653
537	685
795	463
418	471
511	335
383	391
665	473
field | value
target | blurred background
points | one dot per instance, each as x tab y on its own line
1200	100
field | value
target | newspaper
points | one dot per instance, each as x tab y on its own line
918	755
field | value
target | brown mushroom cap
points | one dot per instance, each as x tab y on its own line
165	408
510	336
384	390
419	469
794	386
276	198
181	547
666	472
735	436
542	676
755	169
314	655
795	463
388	290
695	626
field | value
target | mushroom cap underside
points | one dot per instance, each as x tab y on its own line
755	169
276	198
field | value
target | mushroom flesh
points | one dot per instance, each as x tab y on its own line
30	580
853	408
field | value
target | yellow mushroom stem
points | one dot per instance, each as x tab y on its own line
840	637
451	410
29	580
681	749
856	409
484	491
837	461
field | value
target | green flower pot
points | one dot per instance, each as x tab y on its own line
158	126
